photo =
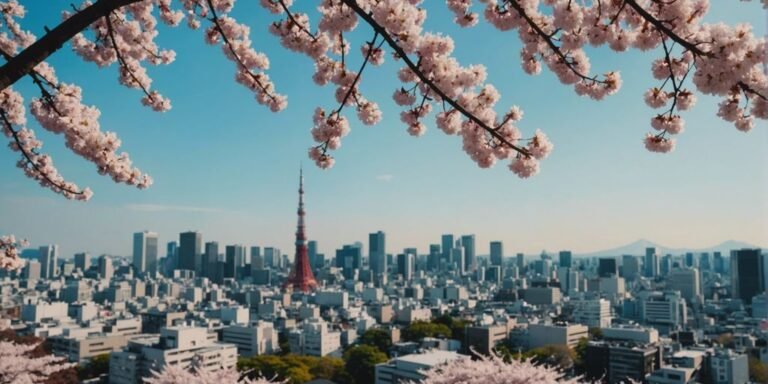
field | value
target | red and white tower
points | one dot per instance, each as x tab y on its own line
301	277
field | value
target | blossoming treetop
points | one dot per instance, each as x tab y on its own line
693	57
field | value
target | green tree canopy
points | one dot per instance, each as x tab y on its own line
378	338
421	329
360	362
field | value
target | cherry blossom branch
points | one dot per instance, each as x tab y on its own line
665	30
403	55
547	38
353	86
28	157
23	63
256	79
121	59
747	89
293	19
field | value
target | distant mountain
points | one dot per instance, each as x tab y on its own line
637	248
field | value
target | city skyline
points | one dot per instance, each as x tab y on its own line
229	171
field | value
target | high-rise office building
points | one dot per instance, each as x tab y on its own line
211	261
470	258
349	259
82	261
690	259
607	267
446	247
520	262
257	261
48	255
705	262
651	262
190	251
106	270
271	257
377	254
497	253
747	274
630	267
685	280
31	270
406	265
234	254
171	257
144	252
566	259
719	263
434	258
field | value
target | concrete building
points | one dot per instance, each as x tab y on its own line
592	313
621	362
259	338
377	254
540	335
497	253
410	368
651	262
48	256
190	252
634	334
667	312
484	338
748	271
82	261
687	282
184	346
315	339
727	367
145	252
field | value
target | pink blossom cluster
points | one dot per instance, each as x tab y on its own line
127	36
493	370
728	59
9	253
17	367
13	37
174	374
236	45
35	165
63	112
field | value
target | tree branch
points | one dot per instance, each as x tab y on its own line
121	59
395	47
23	63
27	157
665	30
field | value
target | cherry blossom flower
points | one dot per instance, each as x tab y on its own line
493	370
9	253
17	367
175	374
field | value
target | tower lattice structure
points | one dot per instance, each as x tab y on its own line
301	277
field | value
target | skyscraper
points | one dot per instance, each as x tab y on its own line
171	257
190	251
651	262
349	258
377	253
234	254
607	267
747	274
447	246
630	267
82	261
435	255
48	255
145	252
566	259
211	261
470	260
520	262
106	270
257	261
405	265
497	253
301	276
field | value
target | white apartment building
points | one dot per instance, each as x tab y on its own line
410	368
540	335
35	313
185	346
260	338
315	339
592	313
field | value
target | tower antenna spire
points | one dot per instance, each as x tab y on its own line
301	277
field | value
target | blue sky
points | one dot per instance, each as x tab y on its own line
228	167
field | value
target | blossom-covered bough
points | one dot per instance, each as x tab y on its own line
695	57
9	253
17	367
494	370
174	374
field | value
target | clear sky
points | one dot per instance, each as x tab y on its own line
228	167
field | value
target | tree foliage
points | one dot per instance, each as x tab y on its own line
377	337
97	366
758	371
294	368
421	329
360	362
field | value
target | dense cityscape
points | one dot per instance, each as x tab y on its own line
381	317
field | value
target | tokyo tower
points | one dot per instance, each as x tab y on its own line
301	277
